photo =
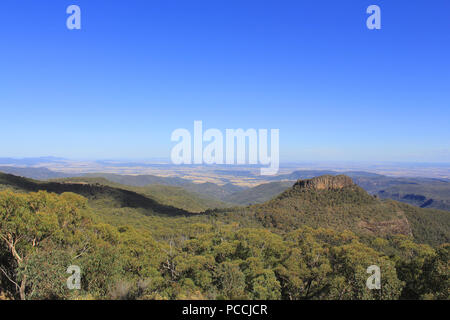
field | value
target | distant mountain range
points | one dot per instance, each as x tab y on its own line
34	173
29	161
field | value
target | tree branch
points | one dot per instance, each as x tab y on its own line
6	275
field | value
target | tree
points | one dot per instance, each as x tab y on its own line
348	281
29	223
435	277
230	280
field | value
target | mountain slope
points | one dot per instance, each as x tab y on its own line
99	195
430	193
336	202
207	189
168	195
422	192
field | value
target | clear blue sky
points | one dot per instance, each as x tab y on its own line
140	69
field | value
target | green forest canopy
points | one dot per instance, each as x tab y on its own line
138	253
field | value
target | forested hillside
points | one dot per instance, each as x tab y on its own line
422	192
314	241
336	202
99	195
168	195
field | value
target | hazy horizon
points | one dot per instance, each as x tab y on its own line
168	161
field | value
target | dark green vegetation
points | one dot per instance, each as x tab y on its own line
313	241
421	192
336	202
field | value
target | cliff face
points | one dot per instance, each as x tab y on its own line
325	182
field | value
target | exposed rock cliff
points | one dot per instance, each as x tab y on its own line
325	182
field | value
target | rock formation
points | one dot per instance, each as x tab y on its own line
325	182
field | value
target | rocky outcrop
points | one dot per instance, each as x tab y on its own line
325	182
394	226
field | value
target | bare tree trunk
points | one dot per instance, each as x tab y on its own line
22	288
12	246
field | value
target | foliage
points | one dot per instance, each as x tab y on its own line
305	244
